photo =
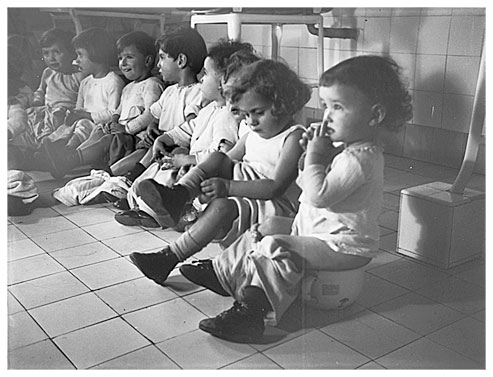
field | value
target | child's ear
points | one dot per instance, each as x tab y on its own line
149	61
379	113
182	60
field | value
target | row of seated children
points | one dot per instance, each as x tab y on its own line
268	241
336	225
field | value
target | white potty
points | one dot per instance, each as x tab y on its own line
332	290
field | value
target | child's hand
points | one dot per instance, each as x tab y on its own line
306	137
151	134
319	147
225	145
214	188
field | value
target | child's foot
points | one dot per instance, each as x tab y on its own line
155	266
133	217
166	202
241	324
202	273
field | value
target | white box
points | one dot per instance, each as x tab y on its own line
439	227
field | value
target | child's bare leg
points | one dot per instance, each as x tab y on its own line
215	222
219	214
96	134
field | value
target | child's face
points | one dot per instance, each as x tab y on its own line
132	63
57	57
258	115
348	113
83	62
168	67
211	81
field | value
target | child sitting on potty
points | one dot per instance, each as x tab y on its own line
336	227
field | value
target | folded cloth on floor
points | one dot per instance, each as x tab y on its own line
21	185
83	190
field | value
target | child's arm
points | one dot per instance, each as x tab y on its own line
150	94
265	189
39	94
321	188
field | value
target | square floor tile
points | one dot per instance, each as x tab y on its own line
388	242
169	235
136	242
180	285
41	355
315	350
370	334
466	337
209	303
408	274
14	234
389	219
84	255
107	273
418	313
135	294
145	358
46	225
199	350
65	210
32	268
111	229
425	354
22	249
94	216
257	361
376	291
47	289
456	293
13	306
62	240
73	313
391	201
166	320
34	217
23	330
96	344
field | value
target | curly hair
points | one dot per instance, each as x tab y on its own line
378	78
222	52
99	45
276	83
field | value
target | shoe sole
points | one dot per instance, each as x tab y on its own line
131	221
220	291
230	337
136	264
149	193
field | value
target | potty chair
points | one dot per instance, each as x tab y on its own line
332	290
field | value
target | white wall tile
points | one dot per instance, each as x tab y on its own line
378	12
404	34
430	72
406	11
468	11
308	63
466	35
376	35
461	74
290	56
436	11
433	35
457	110
427	108
291	35
256	34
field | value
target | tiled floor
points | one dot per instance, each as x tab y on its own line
75	301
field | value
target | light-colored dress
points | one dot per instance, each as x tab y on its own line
338	212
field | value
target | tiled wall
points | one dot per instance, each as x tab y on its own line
439	50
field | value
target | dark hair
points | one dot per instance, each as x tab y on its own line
223	51
187	41
99	45
57	35
142	41
238	61
276	83
379	79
